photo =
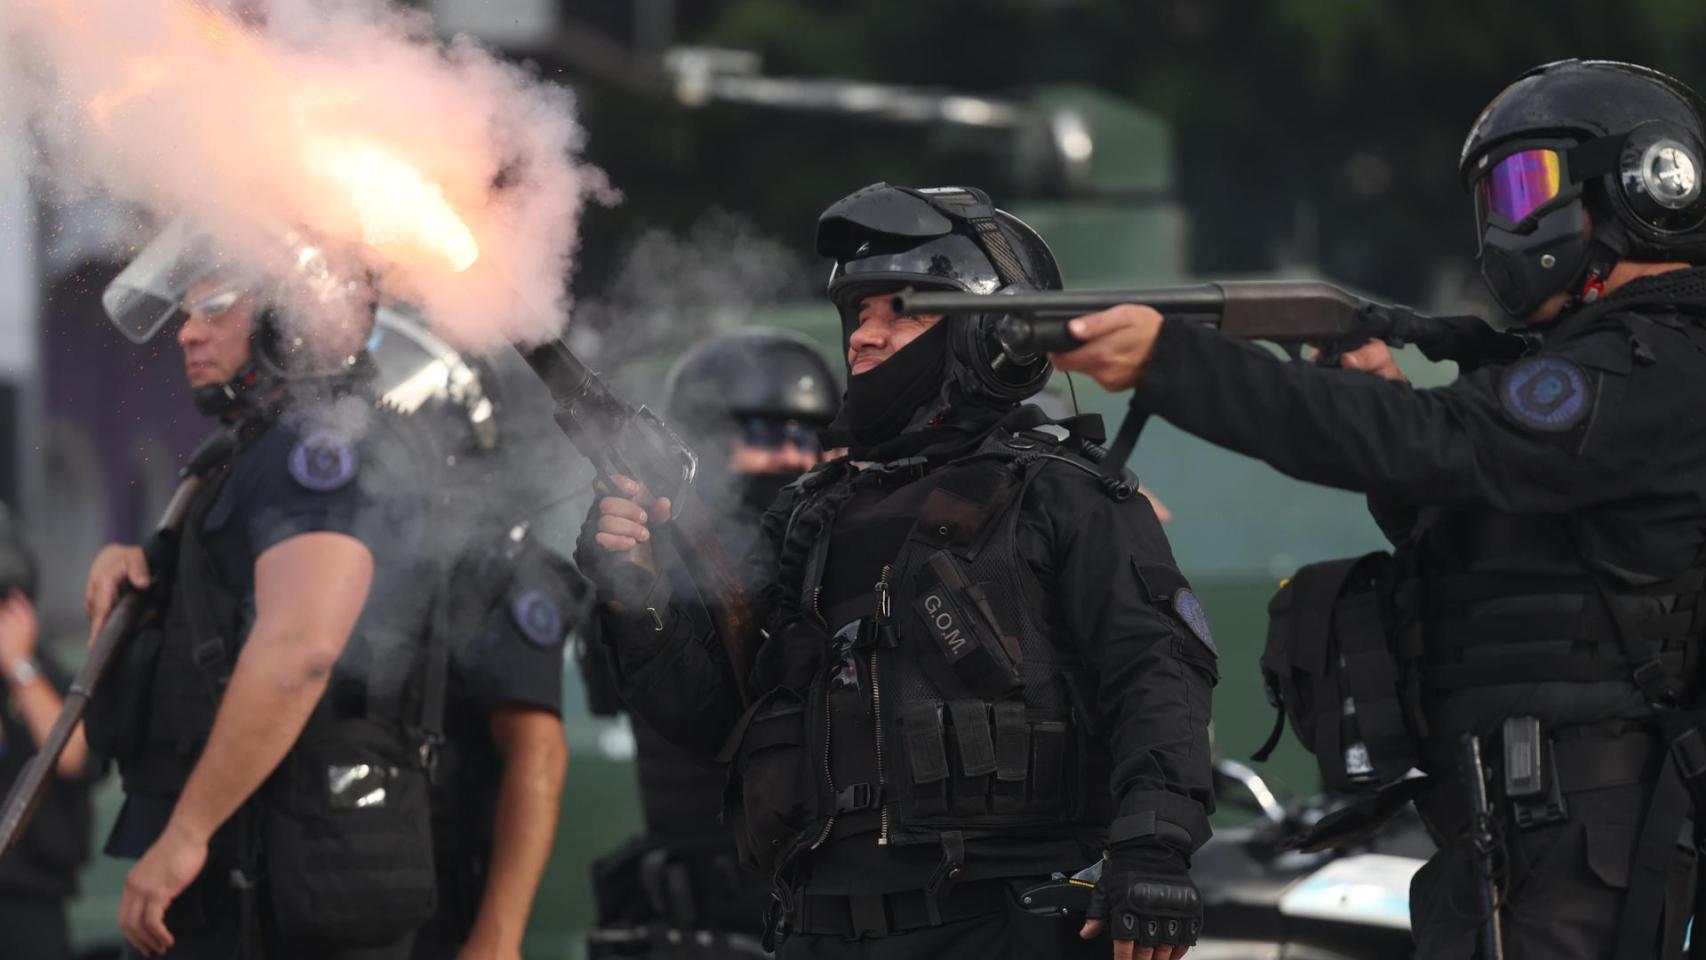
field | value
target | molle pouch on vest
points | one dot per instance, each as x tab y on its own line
347	835
971	759
771	795
969	641
1330	665
116	720
792	656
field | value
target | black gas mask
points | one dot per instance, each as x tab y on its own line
1533	227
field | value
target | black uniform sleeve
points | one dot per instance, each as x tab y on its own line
518	656
290	484
1121	602
669	662
1585	419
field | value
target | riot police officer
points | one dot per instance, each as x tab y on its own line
38	877
979	664
754	402
263	710
493	668
1547	511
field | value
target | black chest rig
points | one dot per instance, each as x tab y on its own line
195	647
980	723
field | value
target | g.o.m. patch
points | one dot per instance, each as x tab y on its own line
537	617
1546	393
323	461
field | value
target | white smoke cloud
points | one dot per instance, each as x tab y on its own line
348	118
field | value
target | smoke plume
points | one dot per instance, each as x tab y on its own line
452	170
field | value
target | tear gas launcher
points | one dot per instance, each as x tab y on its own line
631	441
160	549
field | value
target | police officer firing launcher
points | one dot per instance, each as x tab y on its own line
1548	513
257	724
754	402
979	662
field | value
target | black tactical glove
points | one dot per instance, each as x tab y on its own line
1146	895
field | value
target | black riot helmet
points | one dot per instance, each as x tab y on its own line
416	373
1620	144
757	373
885	238
314	307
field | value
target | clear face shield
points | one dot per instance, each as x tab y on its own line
150	293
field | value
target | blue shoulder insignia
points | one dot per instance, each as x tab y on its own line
537	617
1550	394
322	461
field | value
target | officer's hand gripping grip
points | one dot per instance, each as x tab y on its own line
31	785
626	440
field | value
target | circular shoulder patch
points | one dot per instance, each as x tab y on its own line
537	617
323	461
1190	610
1546	393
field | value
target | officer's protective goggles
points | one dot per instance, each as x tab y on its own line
770	433
1517	186
1521	183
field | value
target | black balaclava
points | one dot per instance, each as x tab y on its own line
759	490
883	401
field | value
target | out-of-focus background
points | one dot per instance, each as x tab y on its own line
1151	142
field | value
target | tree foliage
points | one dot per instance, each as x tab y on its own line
1324	130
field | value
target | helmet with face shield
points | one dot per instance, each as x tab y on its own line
312	307
885	238
1580	164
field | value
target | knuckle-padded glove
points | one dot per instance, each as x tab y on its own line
1146	895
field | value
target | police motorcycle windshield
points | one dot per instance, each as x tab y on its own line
149	292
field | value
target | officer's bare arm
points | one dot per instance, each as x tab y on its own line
535	758
309	590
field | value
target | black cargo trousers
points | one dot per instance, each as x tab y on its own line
1006	932
1564	884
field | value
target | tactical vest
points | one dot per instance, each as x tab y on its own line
204	625
344	821
985	726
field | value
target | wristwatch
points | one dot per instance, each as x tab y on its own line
23	673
